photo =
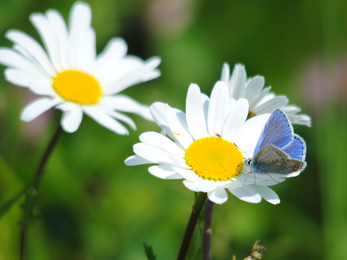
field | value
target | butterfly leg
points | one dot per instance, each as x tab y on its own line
272	178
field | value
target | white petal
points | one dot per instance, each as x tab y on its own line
300	119
267	179
43	88
235	119
72	117
126	104
271	105
178	127
13	59
267	194
205	105
105	120
19	49
114	52
37	107
136	75
206	185
253	88
200	185
291	109
195	116
177	161
260	99
110	76
218	196
67	106
151	153
33	48
151	64
187	174
246	193
269	96
90	51
162	142
225	73
238	81
152	75
190	185
58	24
18	77
218	108
48	37
80	24
157	112
116	115
135	160
249	134
39	85
290	175
164	171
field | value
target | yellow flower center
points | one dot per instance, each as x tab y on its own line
214	158
78	87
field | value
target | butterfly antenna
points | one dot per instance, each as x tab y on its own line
245	181
247	152
243	151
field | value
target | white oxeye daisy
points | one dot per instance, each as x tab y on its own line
260	100
207	146
70	76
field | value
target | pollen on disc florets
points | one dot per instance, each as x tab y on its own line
78	87
214	158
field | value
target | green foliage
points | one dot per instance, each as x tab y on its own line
92	206
10	203
29	207
149	252
196	243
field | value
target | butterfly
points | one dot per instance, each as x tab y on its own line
278	149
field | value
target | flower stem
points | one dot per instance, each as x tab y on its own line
206	249
45	157
36	185
200	199
22	242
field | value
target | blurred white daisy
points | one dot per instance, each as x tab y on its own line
260	99
71	77
207	146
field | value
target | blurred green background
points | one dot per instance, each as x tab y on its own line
94	207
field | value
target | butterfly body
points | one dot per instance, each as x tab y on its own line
278	150
270	159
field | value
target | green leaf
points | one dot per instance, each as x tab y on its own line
29	206
196	243
9	204
149	252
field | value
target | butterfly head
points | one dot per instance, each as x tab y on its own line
248	161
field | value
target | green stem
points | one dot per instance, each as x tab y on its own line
22	242
45	157
37	181
206	248
200	199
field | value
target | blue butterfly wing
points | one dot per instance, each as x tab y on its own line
277	131
296	149
271	159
